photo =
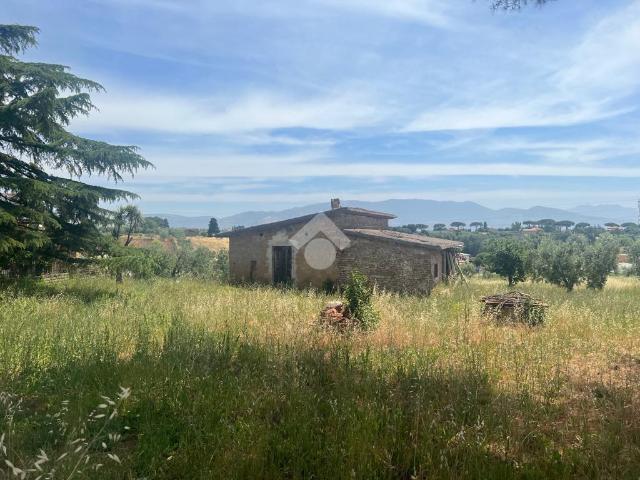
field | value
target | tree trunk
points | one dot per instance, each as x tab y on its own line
129	237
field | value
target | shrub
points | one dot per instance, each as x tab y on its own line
221	266
359	295
468	269
137	262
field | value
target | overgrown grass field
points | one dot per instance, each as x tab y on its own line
230	382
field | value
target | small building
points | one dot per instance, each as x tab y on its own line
322	249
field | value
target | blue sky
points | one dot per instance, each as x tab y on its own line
251	105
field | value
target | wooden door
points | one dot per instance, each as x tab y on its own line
282	263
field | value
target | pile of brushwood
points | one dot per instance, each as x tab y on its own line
357	311
514	307
335	314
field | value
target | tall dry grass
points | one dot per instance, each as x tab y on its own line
214	244
232	382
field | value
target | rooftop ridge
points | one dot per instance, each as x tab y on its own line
406	238
306	218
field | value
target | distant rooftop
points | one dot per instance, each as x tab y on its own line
406	238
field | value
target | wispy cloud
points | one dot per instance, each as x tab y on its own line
431	12
255	111
574	151
595	76
538	112
607	60
319	163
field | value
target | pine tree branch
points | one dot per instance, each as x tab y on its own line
516	4
17	38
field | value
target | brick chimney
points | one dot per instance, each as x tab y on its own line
335	203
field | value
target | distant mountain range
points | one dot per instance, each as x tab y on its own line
425	211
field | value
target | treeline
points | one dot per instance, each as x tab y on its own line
547	225
476	242
561	253
566	263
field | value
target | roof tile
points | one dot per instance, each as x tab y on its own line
400	237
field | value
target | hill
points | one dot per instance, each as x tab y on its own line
425	211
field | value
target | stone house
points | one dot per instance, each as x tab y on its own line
322	249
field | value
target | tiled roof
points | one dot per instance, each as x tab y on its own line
407	238
364	211
306	218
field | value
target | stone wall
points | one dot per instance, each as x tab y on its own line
250	259
250	252
391	266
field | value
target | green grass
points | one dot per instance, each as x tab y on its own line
242	383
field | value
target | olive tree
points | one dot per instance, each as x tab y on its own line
560	263
600	260
506	257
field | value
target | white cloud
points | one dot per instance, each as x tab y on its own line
567	150
252	112
229	164
539	112
596	75
608	57
431	12
169	5
319	163
261	138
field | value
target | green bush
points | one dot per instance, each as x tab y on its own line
136	262
221	266
359	295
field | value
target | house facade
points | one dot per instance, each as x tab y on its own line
322	249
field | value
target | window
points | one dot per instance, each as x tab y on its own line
435	270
